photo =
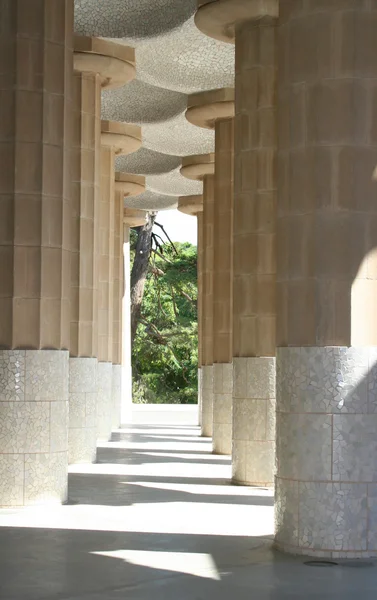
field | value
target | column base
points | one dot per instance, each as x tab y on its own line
222	408
33	427
116	392
253	430
104	400
326	451
200	393
82	432
207	401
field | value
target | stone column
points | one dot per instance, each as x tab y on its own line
215	109
200	312
202	168
251	25
326	481
131	218
126	185
193	205
36	49
96	63
116	139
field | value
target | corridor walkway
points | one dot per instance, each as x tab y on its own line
154	519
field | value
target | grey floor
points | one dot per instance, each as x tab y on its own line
156	518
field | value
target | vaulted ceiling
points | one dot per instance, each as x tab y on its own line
173	59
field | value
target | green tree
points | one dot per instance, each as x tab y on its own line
164	352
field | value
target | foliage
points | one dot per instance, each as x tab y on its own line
164	353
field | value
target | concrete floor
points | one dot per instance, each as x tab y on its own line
156	518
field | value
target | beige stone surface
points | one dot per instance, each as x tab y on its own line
114	63
122	137
198	166
106	257
190	205
207	277
255	191
133	217
218	18
205	108
128	184
223	243
118	281
200	265
327	156
35	184
85	214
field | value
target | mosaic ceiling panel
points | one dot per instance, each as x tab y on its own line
173	59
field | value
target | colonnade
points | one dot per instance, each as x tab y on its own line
296	409
286	258
61	246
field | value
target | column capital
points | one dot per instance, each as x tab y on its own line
198	166
114	63
134	217
122	137
190	205
129	184
218	18
205	108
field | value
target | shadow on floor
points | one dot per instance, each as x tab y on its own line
118	490
56	564
115	542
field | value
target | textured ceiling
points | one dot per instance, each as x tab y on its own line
173	59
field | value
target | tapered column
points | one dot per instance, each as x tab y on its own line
326	484
35	187
201	168
98	64
116	139
131	218
193	205
200	311
252	26
215	109
126	185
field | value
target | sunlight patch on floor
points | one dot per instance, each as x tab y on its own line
189	563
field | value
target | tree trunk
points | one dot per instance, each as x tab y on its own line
140	270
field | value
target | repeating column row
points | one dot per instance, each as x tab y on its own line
320	155
52	248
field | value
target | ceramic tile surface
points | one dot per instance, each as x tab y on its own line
46	477
333	516
286	511
254	419
11	479
326	444
324	380
47	375
82	375
33	424
303	446
12	375
24	427
207	401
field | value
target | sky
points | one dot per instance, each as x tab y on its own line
179	227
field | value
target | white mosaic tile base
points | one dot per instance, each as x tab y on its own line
104	400
200	392
206	409
326	451
253	421
222	408
82	433
33	426
116	391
